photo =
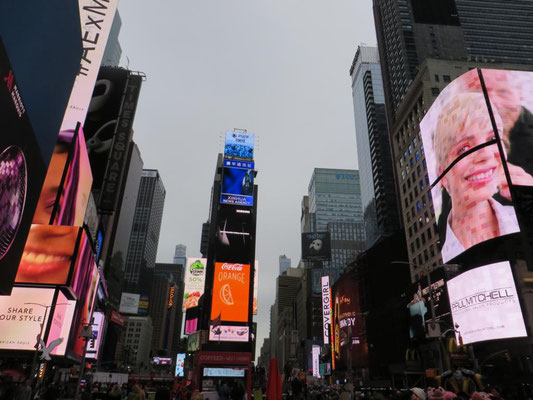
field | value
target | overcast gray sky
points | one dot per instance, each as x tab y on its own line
278	68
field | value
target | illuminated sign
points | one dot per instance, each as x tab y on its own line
471	195
326	308
239	145
485	304
231	290
180	365
162	360
256	286
224	372
238	183
93	344
316	246
170	302
225	333
194	282
61	323
129	303
316	360
21	316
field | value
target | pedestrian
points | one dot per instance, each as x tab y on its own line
418	394
136	393
162	393
115	393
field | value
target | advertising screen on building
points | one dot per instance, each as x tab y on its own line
231	292
224	372
48	255
256	286
485	304
317	274
326	308
316	360
194	282
162	360
191	320
238	183
93	345
61	323
20	321
22	171
239	145
316	246
180	365
234	234
471	194
129	303
225	333
67	185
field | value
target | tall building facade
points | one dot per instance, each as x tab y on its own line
335	197
423	46
113	50
284	264
378	194
144	238
180	254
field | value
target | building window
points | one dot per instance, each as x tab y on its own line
446	78
437	78
417	156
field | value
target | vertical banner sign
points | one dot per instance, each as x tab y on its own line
96	17
256	286
119	149
332	338
194	282
316	360
326	308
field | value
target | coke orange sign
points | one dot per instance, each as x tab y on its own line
231	286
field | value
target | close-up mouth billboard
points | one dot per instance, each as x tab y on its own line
464	148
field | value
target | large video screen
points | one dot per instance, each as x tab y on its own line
194	282
471	194
256	287
67	185
98	325
316	246
231	292
239	145
180	365
21	316
22	171
61	324
48	255
485	304
234	240
238	183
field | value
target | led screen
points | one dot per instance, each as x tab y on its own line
191	320
194	282
231	292
472	199
238	183
67	185
225	333
93	345
234	234
317	274
256	286
224	372
22	171
239	145
485	304
48	254
129	303
180	365
326	308
316	246
61	323
20	321
162	360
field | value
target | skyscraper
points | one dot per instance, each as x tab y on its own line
144	238
180	254
113	50
284	264
378	194
335	197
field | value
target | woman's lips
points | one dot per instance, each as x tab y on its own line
481	176
42	267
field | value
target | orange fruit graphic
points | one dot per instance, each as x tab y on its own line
225	295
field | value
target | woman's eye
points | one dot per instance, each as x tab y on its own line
462	149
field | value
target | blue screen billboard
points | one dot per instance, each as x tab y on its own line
239	145
238	183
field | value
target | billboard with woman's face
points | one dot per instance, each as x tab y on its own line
464	148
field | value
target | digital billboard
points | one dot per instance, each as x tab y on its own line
162	360
239	145
470	192
231	292
67	185
180	365
316	246
256	286
238	183
48	255
224	372
129	303
191	320
93	344
485	304
316	278
21	316
22	171
61	323
234	239
194	282
226	333
326	308
315	349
